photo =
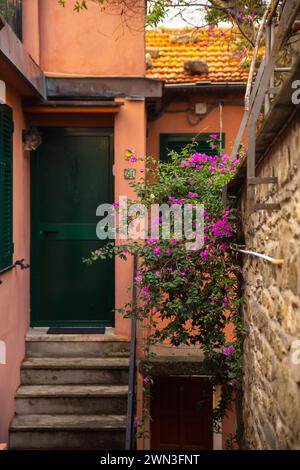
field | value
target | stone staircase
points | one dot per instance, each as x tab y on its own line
73	393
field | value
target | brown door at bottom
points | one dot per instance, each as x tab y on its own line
181	411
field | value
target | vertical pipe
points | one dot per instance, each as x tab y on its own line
130	432
267	56
221	121
251	162
272	79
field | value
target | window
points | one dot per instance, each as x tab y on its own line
178	141
6	170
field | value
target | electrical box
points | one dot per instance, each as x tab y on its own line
200	108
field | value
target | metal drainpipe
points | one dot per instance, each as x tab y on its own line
130	430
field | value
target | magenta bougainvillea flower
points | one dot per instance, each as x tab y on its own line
152	240
138	279
192	195
222	229
156	251
229	350
204	254
137	421
145	290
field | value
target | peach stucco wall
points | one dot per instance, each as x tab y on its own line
91	42
130	133
30	27
14	290
178	123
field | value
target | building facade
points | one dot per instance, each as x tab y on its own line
76	84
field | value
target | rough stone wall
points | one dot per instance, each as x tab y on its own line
271	404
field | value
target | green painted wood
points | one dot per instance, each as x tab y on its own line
6	187
67	231
71	174
177	142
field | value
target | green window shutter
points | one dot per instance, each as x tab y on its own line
177	142
6	189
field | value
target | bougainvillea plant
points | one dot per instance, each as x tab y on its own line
189	296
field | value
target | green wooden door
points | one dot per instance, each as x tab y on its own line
71	174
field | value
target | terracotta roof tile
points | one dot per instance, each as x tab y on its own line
216	48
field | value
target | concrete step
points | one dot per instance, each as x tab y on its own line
63	432
71	399
43	345
87	370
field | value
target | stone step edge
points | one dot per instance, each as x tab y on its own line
58	427
20	393
33	338
27	364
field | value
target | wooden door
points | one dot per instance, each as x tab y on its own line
71	174
181	409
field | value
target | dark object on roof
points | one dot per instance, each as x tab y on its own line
184	39
195	67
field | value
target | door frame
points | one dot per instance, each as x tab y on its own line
88	131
